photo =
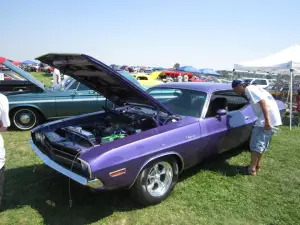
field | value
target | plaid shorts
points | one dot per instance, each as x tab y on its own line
260	139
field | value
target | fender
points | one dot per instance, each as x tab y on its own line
17	106
156	157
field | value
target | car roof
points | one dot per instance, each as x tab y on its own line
196	86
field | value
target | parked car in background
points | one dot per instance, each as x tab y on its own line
146	80
148	138
46	68
30	108
11	82
281	92
264	83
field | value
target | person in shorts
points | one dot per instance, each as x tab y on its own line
4	123
268	120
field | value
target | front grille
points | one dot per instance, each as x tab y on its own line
64	156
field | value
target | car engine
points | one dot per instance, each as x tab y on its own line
112	127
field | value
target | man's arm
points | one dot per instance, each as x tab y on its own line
2	128
264	107
4	119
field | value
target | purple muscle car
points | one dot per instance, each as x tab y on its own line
146	139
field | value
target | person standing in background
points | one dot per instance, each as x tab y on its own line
4	124
56	77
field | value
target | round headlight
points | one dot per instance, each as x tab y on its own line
39	137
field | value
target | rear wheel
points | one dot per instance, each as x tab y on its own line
156	181
25	118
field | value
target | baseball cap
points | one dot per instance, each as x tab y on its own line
237	82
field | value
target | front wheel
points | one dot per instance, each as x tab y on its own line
25	118
156	181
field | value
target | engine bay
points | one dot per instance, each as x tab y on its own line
111	126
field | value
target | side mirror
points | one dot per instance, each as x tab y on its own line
221	112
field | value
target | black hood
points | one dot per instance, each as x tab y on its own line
101	78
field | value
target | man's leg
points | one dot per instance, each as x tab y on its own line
258	162
256	149
1	182
267	140
255	157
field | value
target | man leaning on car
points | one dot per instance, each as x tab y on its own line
4	123
268	120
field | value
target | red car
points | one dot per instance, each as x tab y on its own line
173	73
195	79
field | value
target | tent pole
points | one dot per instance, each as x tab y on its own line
291	98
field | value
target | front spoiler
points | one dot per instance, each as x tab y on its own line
93	183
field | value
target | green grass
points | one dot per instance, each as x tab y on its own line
43	77
212	193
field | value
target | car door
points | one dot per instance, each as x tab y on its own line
64	99
86	100
213	133
221	133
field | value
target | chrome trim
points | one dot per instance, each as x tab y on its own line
58	100
206	105
93	183
156	157
88	166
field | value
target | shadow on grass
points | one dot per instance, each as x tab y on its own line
46	191
218	164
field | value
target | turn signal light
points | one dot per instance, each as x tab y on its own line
117	172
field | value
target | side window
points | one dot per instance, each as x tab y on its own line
228	100
73	86
263	82
82	87
260	82
142	78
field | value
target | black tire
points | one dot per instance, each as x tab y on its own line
140	191
34	118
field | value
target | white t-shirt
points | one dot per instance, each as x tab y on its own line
4	119
55	75
255	94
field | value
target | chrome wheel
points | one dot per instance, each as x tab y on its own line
25	119
159	179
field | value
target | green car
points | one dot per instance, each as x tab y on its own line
31	108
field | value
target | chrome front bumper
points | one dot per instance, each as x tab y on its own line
93	183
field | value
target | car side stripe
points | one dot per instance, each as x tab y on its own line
62	100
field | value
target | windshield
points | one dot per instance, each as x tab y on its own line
180	101
11	75
63	85
248	80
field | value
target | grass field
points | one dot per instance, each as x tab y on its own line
212	193
43	77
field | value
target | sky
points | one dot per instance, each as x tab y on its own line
204	34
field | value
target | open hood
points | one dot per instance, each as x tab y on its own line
101	78
22	73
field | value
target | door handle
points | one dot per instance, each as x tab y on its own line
246	117
190	137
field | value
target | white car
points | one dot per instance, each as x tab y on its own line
264	83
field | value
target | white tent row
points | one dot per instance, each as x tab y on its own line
285	62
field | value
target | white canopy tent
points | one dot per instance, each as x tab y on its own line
285	62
